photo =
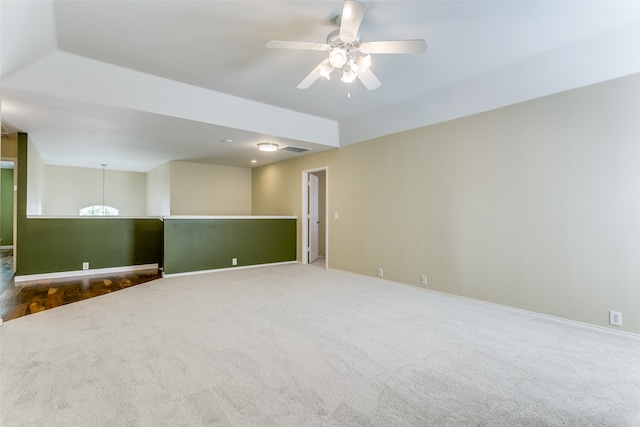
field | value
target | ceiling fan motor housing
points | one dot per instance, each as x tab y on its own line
342	52
334	41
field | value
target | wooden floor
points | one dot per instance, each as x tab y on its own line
17	300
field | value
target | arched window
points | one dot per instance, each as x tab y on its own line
98	210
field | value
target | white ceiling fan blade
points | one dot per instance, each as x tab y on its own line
279	44
396	46
313	75
350	20
369	80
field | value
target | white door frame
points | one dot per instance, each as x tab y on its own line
314	216
305	215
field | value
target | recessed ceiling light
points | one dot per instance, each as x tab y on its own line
267	146
227	141
254	161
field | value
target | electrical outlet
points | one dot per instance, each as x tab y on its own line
234	261
615	318
424	279
380	272
85	265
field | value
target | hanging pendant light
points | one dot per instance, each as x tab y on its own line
104	165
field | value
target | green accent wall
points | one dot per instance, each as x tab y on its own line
208	244
54	245
21	201
6	207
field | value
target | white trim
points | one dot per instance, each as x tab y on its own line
535	313
78	273
304	223
243	267
6	247
230	217
326	217
495	304
90	217
165	217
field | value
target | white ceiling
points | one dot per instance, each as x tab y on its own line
135	84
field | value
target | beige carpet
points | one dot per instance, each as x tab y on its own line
296	345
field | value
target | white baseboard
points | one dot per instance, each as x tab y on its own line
244	267
6	247
78	273
533	313
502	306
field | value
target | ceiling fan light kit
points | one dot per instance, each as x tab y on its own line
325	70
347	53
337	57
348	75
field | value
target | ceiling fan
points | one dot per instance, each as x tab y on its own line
347	52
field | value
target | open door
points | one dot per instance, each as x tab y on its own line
314	234
313	218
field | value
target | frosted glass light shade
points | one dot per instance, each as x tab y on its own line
267	146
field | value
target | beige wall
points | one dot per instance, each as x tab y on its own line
535	206
68	189
159	191
35	180
201	189
176	188
9	147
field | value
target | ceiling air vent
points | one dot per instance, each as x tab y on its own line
295	149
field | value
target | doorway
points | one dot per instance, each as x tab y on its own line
315	228
7	203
